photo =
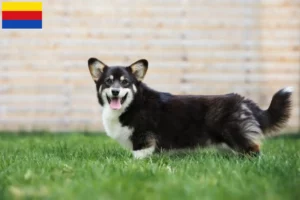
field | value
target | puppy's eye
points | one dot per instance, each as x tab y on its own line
108	81
124	82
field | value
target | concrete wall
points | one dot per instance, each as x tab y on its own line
194	46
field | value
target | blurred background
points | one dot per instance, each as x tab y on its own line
251	47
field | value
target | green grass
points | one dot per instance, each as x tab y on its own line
79	166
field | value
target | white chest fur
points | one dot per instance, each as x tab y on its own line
114	128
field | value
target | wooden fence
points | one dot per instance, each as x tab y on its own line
193	46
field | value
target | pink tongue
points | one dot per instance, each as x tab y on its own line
115	104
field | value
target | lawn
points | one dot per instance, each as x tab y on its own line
81	166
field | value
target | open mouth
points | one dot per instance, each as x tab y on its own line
115	103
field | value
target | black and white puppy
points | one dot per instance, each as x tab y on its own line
145	121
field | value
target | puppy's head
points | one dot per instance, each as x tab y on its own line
116	85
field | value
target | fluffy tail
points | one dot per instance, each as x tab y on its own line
279	111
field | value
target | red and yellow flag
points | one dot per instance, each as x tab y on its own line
22	15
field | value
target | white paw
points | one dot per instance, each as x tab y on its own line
143	153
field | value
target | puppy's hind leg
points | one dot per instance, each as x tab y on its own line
254	136
243	137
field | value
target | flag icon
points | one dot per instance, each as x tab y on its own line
22	15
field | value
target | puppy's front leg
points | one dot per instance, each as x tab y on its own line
143	153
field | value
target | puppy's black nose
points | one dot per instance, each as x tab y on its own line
115	92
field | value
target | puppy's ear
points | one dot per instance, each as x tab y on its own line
96	68
139	69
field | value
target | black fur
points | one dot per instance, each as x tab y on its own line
186	121
117	72
278	112
179	121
